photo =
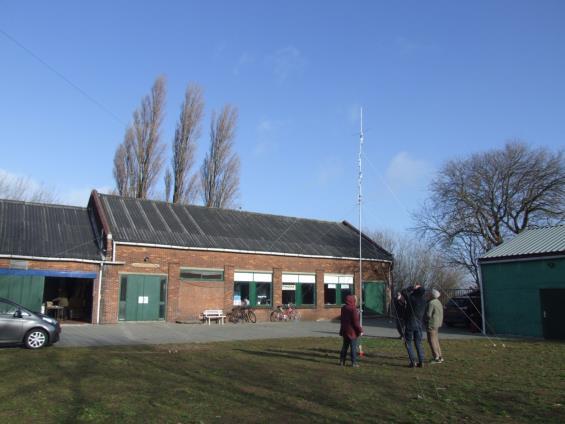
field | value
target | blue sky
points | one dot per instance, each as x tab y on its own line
436	80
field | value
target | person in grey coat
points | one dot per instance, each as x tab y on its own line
434	320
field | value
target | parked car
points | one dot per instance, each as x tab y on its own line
464	311
19	325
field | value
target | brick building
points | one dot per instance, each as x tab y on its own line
160	261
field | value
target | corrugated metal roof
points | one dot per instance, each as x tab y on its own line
47	231
153	222
535	241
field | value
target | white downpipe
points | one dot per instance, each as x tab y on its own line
99	293
483	311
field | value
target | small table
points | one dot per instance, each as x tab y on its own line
59	311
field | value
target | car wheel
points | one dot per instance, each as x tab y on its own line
36	338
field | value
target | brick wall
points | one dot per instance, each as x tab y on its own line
185	300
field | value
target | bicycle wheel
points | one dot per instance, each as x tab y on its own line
275	316
251	317
233	317
296	316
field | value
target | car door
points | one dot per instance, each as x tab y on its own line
11	327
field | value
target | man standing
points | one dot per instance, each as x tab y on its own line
415	310
350	330
434	318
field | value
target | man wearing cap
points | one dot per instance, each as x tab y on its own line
434	319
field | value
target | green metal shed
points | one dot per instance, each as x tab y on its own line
523	284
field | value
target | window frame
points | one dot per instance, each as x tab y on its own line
252	279
289	276
339	283
202	271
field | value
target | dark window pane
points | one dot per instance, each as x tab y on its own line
263	292
329	295
241	290
288	296
345	290
307	294
163	289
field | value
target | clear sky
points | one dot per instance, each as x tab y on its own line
436	79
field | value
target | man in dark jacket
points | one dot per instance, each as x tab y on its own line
414	316
350	330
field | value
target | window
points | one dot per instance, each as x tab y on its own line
7	308
162	297
336	287
254	286
299	289
202	274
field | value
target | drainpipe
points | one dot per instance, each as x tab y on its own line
99	293
483	311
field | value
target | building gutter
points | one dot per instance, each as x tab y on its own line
209	249
40	258
520	259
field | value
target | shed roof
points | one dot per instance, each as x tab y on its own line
531	242
160	223
46	231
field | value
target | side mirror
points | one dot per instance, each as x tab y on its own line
18	313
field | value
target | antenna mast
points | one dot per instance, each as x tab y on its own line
360	218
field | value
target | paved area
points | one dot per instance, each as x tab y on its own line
136	333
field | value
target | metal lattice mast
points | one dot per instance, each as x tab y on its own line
360	200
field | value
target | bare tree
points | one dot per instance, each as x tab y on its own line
184	145
138	161
23	188
417	261
479	201
124	163
168	184
220	170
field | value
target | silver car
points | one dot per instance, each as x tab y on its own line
20	325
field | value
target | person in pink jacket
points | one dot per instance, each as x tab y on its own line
350	330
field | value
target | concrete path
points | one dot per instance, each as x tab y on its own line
136	333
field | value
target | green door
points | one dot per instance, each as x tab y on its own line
144	298
26	290
374	298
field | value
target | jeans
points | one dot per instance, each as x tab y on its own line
414	335
346	344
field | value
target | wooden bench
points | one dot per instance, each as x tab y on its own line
214	314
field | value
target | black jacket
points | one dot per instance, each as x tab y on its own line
415	309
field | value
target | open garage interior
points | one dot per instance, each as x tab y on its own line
68	299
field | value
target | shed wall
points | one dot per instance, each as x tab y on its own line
512	294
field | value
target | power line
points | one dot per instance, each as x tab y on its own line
63	77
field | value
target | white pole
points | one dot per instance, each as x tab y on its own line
360	218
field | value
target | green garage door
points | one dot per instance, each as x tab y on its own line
142	298
26	290
374	297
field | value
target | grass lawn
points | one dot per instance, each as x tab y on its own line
283	381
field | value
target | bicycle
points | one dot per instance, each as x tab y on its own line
285	313
241	314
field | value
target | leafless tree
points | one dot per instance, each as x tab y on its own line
168	184
124	163
184	145
23	188
138	161
220	170
417	261
477	202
